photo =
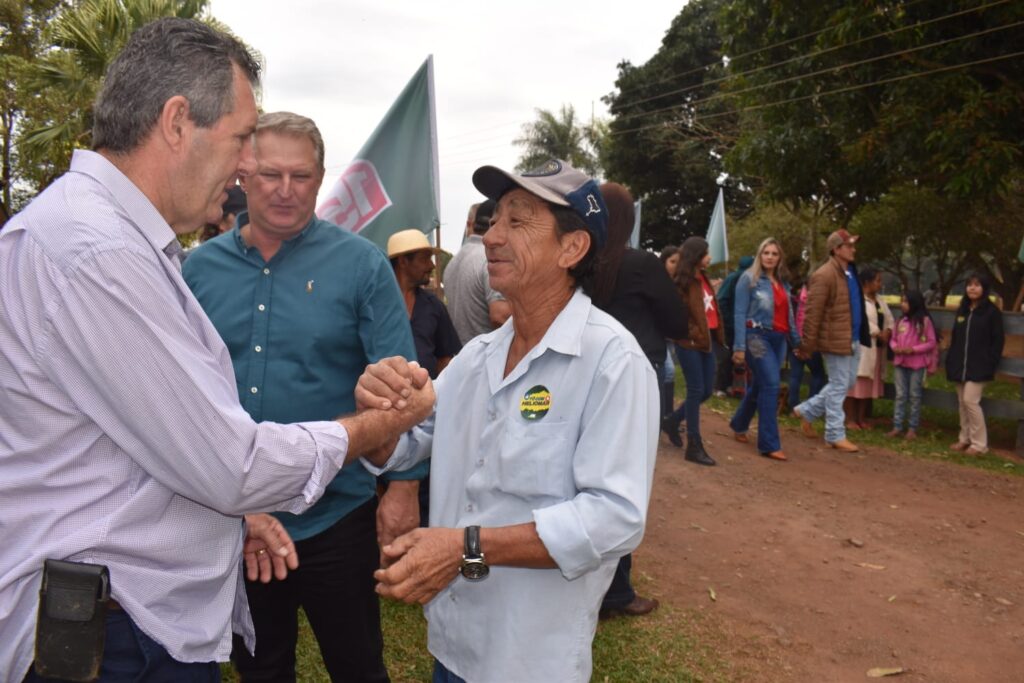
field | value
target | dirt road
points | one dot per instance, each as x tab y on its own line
836	564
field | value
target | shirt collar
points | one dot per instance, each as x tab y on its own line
243	218
145	217
563	336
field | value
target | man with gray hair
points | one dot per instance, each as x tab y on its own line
124	447
326	304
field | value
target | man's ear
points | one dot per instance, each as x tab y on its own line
575	246
175	125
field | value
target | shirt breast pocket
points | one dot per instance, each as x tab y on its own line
536	460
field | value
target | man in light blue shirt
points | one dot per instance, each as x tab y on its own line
304	306
544	437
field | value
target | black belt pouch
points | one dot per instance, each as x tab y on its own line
72	620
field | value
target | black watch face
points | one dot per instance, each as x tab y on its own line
475	570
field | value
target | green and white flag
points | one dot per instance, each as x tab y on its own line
718	245
392	184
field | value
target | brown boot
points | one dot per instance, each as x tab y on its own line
844	445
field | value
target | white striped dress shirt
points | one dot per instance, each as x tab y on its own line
122	441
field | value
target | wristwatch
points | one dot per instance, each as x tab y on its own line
473	566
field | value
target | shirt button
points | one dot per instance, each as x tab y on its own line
491	414
266	271
261	307
258	348
469	508
480	462
254	390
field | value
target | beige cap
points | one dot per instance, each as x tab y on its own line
406	241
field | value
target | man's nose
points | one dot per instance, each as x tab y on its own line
494	234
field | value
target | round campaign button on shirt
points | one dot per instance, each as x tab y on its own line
536	403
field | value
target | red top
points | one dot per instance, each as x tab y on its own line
780	321
710	312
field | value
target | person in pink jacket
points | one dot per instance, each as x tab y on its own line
913	345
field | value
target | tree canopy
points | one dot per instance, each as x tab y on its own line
53	55
900	118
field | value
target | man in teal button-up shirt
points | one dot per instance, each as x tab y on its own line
303	307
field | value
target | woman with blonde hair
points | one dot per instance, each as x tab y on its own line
763	322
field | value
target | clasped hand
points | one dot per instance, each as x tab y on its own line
419	564
391	383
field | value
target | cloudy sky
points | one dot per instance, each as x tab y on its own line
343	62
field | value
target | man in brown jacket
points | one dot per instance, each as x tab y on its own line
836	325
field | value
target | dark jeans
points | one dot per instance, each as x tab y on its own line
764	354
699	372
130	655
443	675
796	376
334	585
723	372
620	592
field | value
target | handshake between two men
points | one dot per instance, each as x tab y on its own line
392	397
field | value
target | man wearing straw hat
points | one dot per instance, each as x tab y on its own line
412	258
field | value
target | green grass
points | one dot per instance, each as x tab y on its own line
672	645
668	646
939	428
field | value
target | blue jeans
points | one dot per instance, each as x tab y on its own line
909	383
764	354
443	675
668	368
796	376
699	372
130	655
842	374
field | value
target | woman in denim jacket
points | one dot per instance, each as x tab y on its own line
764	321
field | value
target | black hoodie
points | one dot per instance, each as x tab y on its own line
976	344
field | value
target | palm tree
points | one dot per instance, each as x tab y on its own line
560	136
85	38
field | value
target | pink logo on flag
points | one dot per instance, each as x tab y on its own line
357	198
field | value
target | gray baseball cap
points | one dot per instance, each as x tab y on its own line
554	181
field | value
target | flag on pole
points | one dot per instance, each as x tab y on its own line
634	237
1020	252
718	245
392	184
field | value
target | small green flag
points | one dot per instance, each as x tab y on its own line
1020	252
392	184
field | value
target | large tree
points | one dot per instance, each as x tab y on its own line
53	55
658	146
560	136
22	24
840	101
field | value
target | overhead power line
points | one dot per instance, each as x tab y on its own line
826	93
830	69
809	55
781	43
